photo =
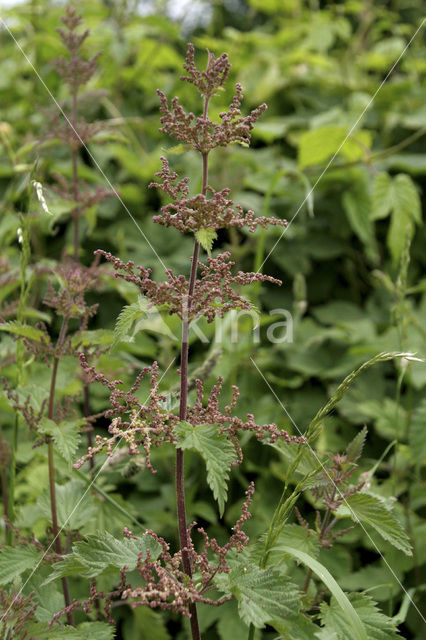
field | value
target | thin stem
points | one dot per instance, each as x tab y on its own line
51	463
180	474
76	213
76	216
12	480
86	414
4	490
180	477
251	633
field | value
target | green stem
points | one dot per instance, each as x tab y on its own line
12	481
251	633
51	464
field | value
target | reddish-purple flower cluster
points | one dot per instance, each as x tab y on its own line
213	293
165	585
149	424
212	211
69	301
75	71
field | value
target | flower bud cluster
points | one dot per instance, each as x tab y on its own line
69	301
213	293
75	70
213	210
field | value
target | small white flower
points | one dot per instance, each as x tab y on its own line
20	235
409	357
39	191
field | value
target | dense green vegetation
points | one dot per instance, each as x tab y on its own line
340	154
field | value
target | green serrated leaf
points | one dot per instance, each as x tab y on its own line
206	237
263	595
66	435
297	628
145	624
217	451
84	631
102	552
354	448
98	336
75	504
406	211
371	510
377	625
96	631
382	196
125	321
24	330
49	597
229	625
16	560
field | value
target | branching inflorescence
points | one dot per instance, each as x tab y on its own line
179	581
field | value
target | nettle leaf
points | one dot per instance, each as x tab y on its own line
382	196
16	560
377	625
354	448
102	552
417	437
75	504
125	321
216	450
96	336
206	237
371	510
84	631
319	145
66	435
297	628
96	631
24	330
406	211
263	595
145	624
229	625
49	597
399	197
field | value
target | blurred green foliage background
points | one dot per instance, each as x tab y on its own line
352	261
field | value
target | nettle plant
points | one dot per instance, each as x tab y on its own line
70	584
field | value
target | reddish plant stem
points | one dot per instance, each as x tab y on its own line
86	410
87	413
51	463
180	476
76	216
76	213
